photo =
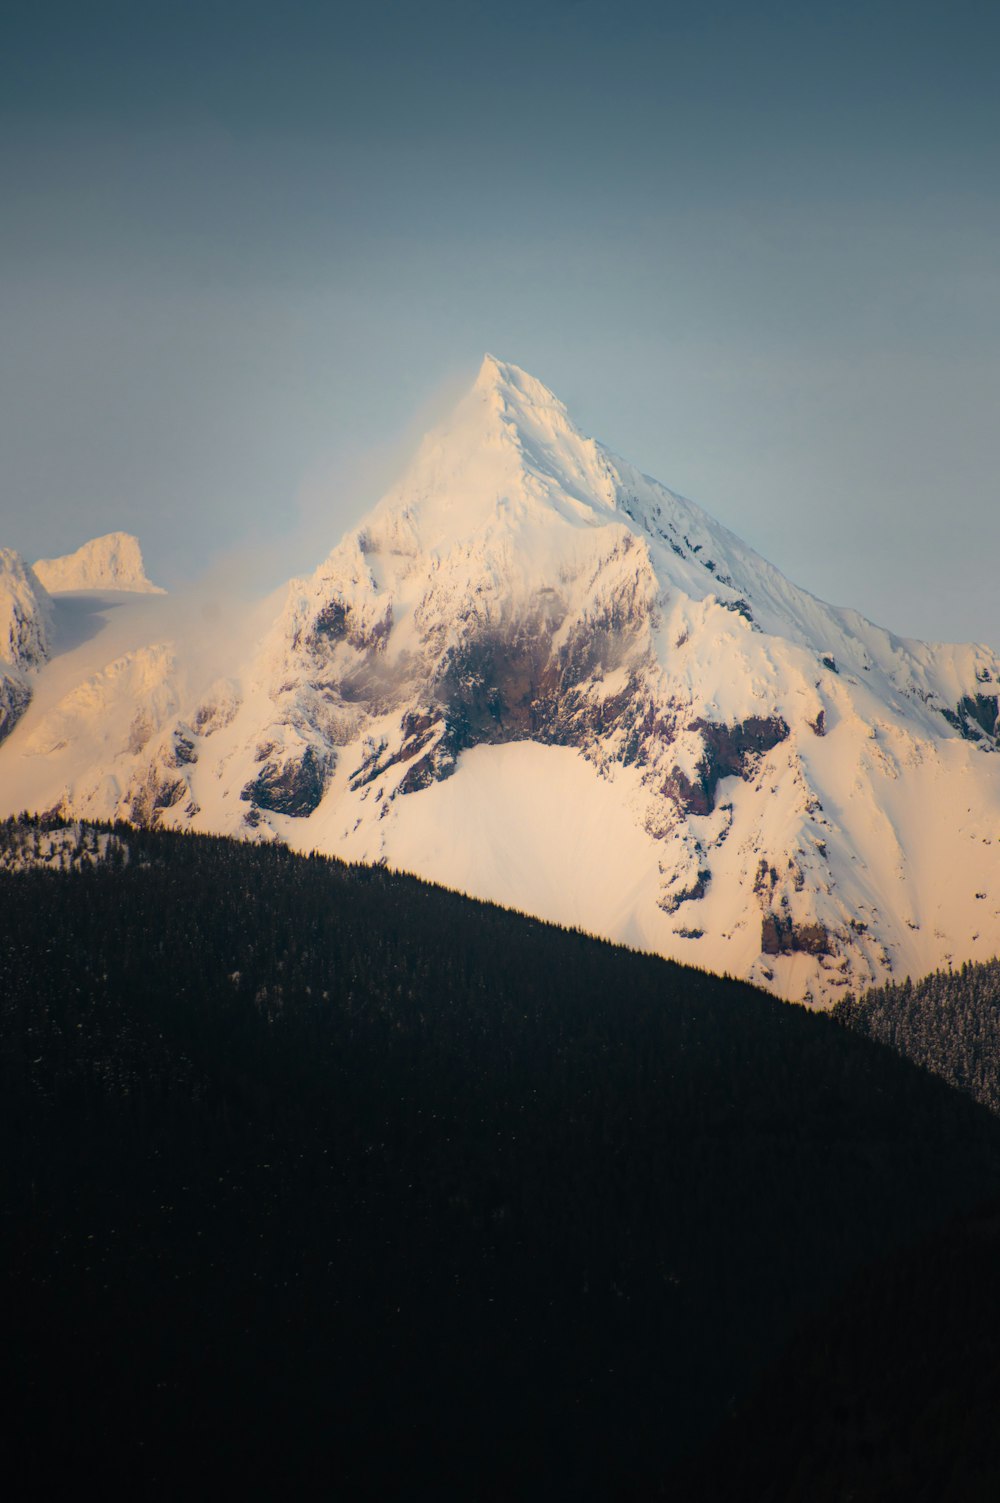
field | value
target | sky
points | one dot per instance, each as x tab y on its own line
249	252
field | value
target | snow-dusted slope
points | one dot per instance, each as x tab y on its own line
68	848
538	675
112	562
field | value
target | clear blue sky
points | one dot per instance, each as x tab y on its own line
246	250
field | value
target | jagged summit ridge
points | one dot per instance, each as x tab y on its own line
517	392
111	562
537	674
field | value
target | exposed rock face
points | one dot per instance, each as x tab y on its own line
157	792
291	787
420	731
337	622
975	718
779	935
729	751
673	900
183	753
217	709
15	696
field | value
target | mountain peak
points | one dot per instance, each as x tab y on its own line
535	673
111	562
491	371
507	456
517	387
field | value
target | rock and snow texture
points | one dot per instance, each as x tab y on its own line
537	675
112	562
25	613
25	632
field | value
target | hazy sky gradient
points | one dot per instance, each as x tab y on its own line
248	250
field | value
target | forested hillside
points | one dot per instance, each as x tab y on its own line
948	1022
319	1178
891	1395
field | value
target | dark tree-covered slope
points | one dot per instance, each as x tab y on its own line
321	1179
891	1396
948	1022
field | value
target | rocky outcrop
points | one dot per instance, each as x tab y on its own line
671	901
15	696
976	718
419	730
781	935
339	621
294	786
218	708
436	764
183	752
157	791
728	751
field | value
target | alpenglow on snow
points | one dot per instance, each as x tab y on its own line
537	675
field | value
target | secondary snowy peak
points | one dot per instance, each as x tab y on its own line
111	562
537	674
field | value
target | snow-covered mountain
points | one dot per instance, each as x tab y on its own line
535	674
112	562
